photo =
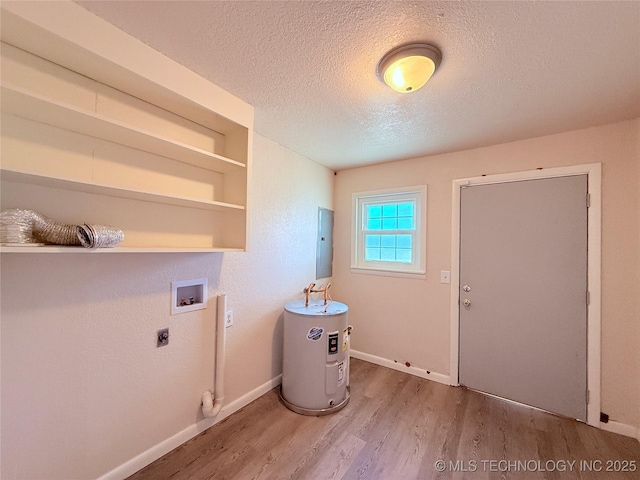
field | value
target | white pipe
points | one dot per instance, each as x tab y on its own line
212	402
349	328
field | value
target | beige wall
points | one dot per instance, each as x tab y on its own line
408	320
84	388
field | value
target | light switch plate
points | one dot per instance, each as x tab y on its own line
445	276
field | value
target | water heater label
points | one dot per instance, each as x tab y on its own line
333	343
315	333
340	373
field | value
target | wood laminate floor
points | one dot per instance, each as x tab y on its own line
396	427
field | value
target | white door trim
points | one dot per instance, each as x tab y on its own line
594	215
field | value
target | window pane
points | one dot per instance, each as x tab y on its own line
389	224
388	254
389	234
405	210
374	211
390	210
371	254
388	241
372	240
403	255
403	241
405	223
374	224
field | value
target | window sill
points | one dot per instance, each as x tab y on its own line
418	275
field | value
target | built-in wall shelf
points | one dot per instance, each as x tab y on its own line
112	132
109	190
20	102
62	249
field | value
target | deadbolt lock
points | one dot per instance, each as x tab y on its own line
466	288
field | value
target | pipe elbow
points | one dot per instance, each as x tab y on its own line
217	406
211	406
207	404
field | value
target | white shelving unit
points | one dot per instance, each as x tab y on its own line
35	107
63	249
109	190
99	128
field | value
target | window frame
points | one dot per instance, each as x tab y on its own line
360	200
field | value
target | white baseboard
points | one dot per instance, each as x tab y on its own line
622	429
145	458
401	367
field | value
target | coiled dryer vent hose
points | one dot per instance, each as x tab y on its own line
27	226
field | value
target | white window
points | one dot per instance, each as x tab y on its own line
390	232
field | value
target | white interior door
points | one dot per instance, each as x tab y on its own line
523	292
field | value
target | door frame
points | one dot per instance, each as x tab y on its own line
594	219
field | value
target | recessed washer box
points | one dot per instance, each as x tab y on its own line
188	295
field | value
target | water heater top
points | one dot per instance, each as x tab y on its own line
316	308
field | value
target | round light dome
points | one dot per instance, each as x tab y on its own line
408	67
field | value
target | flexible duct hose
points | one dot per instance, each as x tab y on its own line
27	226
32	226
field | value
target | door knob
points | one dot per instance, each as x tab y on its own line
466	302
466	288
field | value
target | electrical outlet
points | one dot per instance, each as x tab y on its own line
228	318
162	337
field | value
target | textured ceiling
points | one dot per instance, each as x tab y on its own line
510	70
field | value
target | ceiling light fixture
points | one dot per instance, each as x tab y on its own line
408	67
